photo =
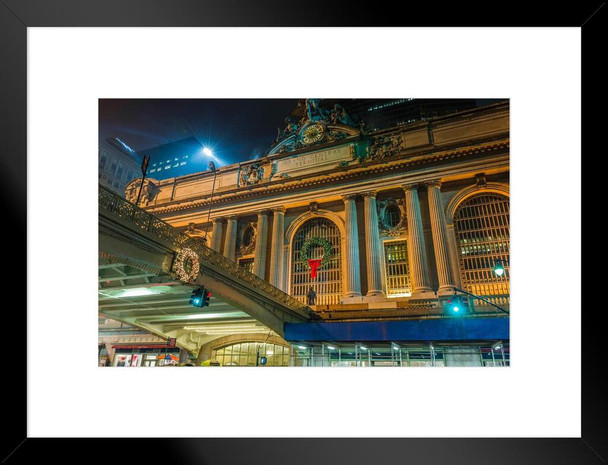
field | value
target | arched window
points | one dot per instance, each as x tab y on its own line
481	224
251	353
328	282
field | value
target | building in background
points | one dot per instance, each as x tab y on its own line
380	114
178	158
118	165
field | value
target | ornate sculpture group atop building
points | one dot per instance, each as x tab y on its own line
317	125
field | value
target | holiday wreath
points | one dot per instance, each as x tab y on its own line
314	264
185	257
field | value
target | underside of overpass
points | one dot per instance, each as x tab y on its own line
138	284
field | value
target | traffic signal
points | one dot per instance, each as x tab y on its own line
196	298
457	305
205	298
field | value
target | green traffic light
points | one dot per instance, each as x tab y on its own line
499	270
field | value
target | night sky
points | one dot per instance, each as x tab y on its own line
235	130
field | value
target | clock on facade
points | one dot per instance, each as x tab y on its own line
313	133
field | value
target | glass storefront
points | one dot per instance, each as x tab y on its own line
390	355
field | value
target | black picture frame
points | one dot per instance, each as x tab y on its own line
17	15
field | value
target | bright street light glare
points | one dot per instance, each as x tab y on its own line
207	151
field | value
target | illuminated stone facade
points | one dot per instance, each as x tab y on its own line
390	204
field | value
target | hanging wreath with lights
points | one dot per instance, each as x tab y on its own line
187	265
305	254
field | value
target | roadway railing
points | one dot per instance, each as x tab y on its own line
111	202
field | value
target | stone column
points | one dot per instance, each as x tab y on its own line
276	251
216	234
418	262
230	243
259	261
353	271
454	258
373	253
440	239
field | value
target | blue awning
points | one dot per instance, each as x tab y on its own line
441	329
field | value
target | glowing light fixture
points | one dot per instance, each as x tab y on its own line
499	270
136	292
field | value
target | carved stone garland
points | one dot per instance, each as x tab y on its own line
385	228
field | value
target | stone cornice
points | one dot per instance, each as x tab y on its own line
366	169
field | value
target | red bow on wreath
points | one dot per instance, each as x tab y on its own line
314	264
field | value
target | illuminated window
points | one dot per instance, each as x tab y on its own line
328	282
247	263
398	283
481	224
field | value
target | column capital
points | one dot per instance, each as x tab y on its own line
264	212
410	187
434	183
219	219
346	197
369	194
232	217
278	209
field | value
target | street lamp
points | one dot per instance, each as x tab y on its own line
207	152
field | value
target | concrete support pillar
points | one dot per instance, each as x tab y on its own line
440	239
276	251
259	261
216	234
353	271
230	242
416	248
373	253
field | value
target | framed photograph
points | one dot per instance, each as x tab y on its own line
318	209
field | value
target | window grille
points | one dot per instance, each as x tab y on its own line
397	268
481	224
392	216
328	283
